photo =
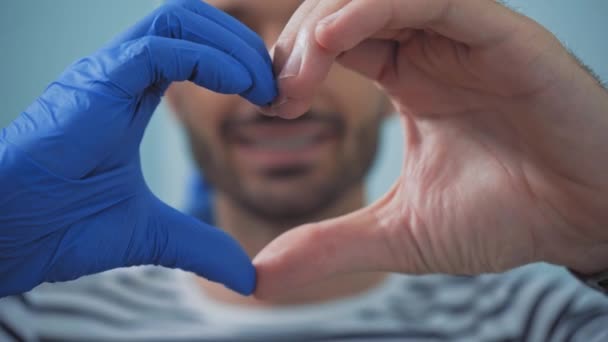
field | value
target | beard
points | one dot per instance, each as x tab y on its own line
310	192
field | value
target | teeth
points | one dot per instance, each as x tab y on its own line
284	144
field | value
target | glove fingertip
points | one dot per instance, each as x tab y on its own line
231	266
261	94
192	245
244	282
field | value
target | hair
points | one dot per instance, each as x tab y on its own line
585	67
591	72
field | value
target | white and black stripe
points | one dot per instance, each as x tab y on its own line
152	304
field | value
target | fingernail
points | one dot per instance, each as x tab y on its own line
278	103
281	100
267	110
294	62
271	109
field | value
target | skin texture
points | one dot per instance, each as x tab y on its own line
254	200
505	142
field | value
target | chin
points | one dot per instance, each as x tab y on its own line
295	196
286	209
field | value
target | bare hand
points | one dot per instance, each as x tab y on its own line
506	158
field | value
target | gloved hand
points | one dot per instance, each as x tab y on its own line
72	197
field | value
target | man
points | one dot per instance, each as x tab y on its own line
268	175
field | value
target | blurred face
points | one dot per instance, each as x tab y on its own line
282	169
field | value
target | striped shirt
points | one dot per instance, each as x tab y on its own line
153	304
538	303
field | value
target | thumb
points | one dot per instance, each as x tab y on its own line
356	242
184	242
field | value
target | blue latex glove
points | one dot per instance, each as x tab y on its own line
72	197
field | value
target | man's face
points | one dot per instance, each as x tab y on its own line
279	169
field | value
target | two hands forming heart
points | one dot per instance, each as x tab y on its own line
505	160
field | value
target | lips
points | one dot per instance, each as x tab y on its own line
277	143
282	136
287	144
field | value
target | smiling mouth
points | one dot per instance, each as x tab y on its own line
282	147
283	143
287	172
276	134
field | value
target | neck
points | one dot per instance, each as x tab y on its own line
254	233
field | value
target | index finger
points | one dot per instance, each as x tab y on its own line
198	7
472	22
195	21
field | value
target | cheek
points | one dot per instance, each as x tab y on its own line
357	97
362	104
363	116
363	120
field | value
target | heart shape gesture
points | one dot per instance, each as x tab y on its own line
506	142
